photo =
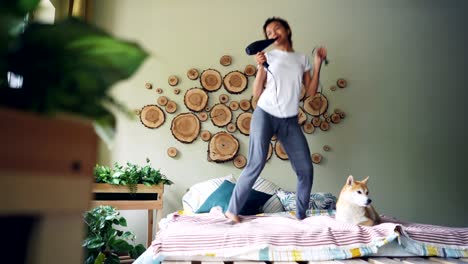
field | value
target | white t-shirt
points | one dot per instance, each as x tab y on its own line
283	88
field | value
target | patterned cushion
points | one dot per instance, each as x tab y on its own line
273	205
221	197
198	193
318	201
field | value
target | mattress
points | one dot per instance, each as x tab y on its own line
280	237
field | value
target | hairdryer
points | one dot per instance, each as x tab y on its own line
258	46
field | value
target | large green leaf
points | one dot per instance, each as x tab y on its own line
70	67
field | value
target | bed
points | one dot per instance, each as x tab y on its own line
277	236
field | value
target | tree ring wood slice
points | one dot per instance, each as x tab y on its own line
173	80
225	60
342	83
231	128
316	105
176	91
316	158
301	116
325	126
250	70
333	88
244	104
211	80
270	151
303	93
309	128
193	74
253	102
234	105
223	98
326	148
148	86
220	115
316	121
342	115
279	151
205	135
196	99
335	118
162	100
203	116
223	147
235	82
159	90
185	127
243	123
172	152
152	116
171	107
239	161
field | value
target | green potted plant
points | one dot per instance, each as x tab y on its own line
66	67
104	241
130	175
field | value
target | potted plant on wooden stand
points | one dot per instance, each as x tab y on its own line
55	82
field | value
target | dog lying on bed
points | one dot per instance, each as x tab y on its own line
354	206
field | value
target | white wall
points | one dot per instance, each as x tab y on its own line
405	62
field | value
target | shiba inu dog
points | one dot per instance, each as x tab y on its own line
354	205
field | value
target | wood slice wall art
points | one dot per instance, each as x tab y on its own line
240	161
342	83
316	158
279	150
223	98
205	135
243	123
225	60
196	99
211	80
172	152
222	147
234	105
270	151
253	102
173	80
250	70
308	128
244	104
316	105
235	82
171	107
301	116
220	115
193	74
151	116
203	116
185	127
162	100
231	127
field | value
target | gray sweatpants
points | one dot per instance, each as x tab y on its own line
262	127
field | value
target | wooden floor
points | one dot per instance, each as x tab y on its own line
377	260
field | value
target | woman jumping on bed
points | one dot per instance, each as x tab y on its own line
278	88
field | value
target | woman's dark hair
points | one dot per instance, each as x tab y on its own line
283	22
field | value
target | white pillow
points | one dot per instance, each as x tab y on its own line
198	193
273	205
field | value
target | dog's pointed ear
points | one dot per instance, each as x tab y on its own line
350	180
365	180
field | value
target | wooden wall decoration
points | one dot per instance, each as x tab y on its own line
223	146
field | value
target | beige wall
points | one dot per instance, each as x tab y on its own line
405	62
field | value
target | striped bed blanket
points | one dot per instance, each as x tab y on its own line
280	237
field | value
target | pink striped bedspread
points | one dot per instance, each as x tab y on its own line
280	237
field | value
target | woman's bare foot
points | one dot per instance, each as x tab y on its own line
232	217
